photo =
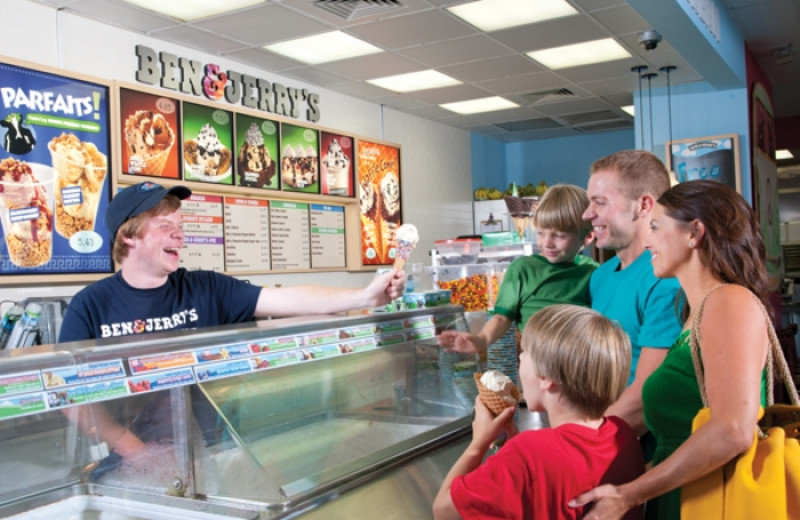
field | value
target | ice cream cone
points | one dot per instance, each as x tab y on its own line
521	224
495	401
154	165
399	263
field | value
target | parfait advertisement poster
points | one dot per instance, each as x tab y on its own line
207	144
299	159
256	159
379	201
54	186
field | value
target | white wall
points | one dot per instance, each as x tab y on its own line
435	159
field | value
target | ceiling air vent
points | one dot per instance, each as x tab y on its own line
355	9
549	96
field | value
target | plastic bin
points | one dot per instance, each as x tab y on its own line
459	251
473	286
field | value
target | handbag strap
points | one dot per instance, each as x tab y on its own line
775	358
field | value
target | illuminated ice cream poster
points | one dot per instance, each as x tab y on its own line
379	201
257	152
336	165
207	144
709	158
299	159
150	132
54	156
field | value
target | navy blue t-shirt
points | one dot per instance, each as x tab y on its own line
190	299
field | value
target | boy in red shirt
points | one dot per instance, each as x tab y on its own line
574	364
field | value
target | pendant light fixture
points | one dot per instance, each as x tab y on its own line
667	70
638	70
649	77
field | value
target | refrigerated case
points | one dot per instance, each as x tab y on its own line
273	419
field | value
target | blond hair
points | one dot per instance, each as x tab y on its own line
639	172
561	208
582	351
134	226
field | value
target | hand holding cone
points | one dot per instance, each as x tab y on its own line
497	401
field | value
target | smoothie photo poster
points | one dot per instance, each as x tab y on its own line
336	166
54	156
379	201
257	156
207	144
299	159
150	127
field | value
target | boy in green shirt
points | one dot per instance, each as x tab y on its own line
557	274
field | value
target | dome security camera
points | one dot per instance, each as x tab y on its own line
649	39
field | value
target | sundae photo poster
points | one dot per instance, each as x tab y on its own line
257	152
149	129
299	159
714	158
54	157
207	144
336	166
379	200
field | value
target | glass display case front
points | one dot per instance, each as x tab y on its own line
256	421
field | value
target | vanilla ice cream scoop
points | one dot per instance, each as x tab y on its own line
495	380
253	136
497	391
406	238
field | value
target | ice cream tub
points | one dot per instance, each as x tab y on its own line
81	172
26	211
418	300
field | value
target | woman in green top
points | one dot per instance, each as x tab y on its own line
706	235
558	274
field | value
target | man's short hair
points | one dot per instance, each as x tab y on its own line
640	172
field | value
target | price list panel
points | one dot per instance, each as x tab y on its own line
289	225
203	244
327	236
247	237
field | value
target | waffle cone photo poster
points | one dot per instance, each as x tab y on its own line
379	200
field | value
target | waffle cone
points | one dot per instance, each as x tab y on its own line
494	400
155	164
399	263
521	224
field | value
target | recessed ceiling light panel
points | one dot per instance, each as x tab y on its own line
476	106
190	10
493	15
577	54
422	80
783	154
324	48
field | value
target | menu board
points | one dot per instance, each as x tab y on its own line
289	225
149	127
299	159
246	235
54	156
207	145
379	201
327	236
203	242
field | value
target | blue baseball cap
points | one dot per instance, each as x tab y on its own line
135	200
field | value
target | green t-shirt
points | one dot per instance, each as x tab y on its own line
532	283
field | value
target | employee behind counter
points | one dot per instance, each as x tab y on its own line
146	229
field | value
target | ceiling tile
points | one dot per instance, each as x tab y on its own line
198	39
461	50
315	76
596	5
448	94
358	89
262	59
358	14
492	68
414	30
567	108
562	31
523	84
621	20
372	66
122	14
264	24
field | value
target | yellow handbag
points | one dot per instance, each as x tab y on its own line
764	481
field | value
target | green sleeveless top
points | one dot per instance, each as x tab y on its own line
671	399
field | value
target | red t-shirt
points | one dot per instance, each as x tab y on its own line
537	472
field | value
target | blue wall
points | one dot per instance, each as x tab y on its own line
496	164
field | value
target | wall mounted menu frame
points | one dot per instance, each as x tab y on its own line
713	158
56	132
150	129
380	206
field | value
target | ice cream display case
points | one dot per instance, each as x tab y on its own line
273	419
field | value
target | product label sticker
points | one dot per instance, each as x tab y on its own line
273	344
211	354
419	322
388	326
357	345
161	362
319	338
391	338
320	352
418	334
357	332
276	359
15	406
81	394
86	373
220	370
160	381
20	383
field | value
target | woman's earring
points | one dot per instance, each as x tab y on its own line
691	244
